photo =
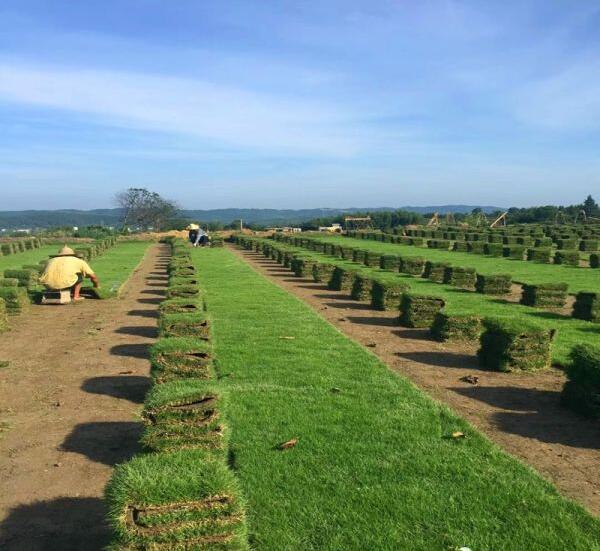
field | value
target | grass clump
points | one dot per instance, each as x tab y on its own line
514	345
456	327
581	392
587	306
185	414
386	294
493	284
184	325
419	310
545	295
182	500
181	357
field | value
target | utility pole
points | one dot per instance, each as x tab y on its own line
241	225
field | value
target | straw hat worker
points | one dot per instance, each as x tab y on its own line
67	271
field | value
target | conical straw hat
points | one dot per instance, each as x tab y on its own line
66	251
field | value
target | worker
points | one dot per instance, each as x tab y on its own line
67	271
192	230
201	238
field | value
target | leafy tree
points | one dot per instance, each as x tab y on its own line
145	209
591	207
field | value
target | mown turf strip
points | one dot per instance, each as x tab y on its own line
523	271
375	465
15	261
458	301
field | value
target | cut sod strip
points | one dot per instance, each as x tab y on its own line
333	451
459	302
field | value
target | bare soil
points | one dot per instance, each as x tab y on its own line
519	412
76	380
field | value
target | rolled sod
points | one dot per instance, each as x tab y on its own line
595	260
181	306
182	272
185	414
361	288
543	255
514	251
359	255
27	278
7	248
493	249
322	272
568	258
302	267
413	266
16	299
476	247
456	327
346	253
545	295
419	310
589	245
587	306
3	316
386	295
581	392
9	282
461	246
183	280
182	500
342	279
435	271
514	345
461	277
390	262
372	259
184	325
181	357
493	284
183	291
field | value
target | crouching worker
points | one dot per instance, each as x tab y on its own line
67	271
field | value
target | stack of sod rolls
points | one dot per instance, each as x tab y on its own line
456	327
493	284
386	294
545	295
16	298
458	276
581	392
587	306
180	494
435	271
3	316
513	345
342	279
419	310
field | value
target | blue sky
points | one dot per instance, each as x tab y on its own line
299	104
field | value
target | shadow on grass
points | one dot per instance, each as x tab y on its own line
107	442
63	524
124	387
442	359
139	331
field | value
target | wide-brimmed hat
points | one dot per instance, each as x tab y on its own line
193	227
66	251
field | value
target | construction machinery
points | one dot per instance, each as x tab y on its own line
434	220
358	223
501	218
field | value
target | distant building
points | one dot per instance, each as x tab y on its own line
284	229
334	228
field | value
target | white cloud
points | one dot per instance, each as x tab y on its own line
222	115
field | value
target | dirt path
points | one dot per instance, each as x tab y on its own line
520	412
69	398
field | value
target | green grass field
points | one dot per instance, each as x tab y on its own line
375	466
458	301
14	261
579	279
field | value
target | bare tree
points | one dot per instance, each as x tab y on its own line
145	209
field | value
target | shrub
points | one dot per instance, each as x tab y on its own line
435	271
581	392
180	357
514	345
461	277
342	279
570	258
185	414
514	251
545	295
302	267
412	266
493	284
16	299
493	249
390	262
322	272
586	307
180	500
26	278
460	246
372	259
3	316
184	325
361	288
595	260
386	295
456	327
181	306
419	310
539	255
588	245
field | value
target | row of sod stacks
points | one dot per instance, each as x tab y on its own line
180	494
587	307
581	392
3	316
514	345
545	295
16	246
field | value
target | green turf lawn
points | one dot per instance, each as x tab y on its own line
375	466
459	301
14	261
115	265
523	271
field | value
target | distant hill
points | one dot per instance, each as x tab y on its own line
33	219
